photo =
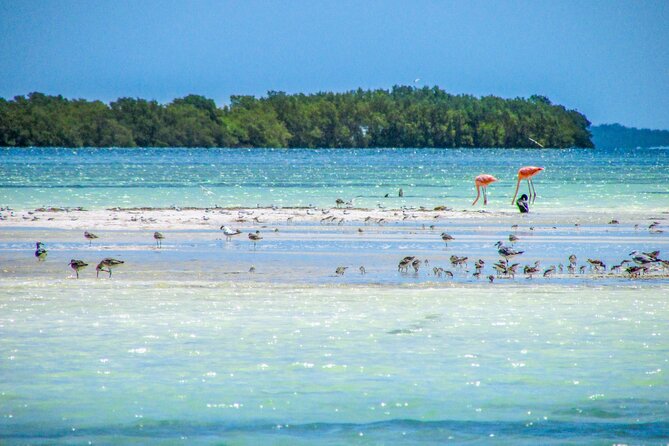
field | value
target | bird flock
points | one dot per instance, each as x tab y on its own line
638	263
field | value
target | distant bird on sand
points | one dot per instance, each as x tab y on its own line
107	265
513	238
482	182
77	265
159	239
507	252
362	270
90	237
255	237
40	251
446	237
341	270
229	232
339	202
526	173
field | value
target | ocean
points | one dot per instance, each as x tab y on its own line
183	345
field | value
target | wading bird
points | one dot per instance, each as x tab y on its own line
90	237
526	173
159	239
107	265
482	182
77	265
229	233
255	237
40	251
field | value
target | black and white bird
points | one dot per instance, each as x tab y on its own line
40	251
506	251
229	232
159	237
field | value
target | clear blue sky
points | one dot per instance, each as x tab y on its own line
608	59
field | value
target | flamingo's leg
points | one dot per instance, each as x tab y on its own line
513	200
534	191
478	194
485	196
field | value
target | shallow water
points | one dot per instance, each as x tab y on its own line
155	362
631	179
183	345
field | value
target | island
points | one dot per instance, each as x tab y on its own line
402	116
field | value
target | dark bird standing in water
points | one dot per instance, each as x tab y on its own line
90	237
446	237
107	265
77	265
40	251
255	237
159	239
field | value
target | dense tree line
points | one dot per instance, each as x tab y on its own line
400	117
615	135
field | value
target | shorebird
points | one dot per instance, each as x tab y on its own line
513	238
77	265
507	252
458	261
159	239
416	265
339	202
526	173
40	251
491	278
635	271
581	269
362	270
572	260
404	263
597	264
643	258
530	270
482	182
229	233
341	270
107	265
90	237
446	237
255	237
549	272
616	268
252	269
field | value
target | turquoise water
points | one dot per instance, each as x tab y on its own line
185	346
206	363
630	179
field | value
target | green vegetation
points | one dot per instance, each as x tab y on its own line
608	136
401	117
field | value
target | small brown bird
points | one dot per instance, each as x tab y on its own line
255	237
446	237
90	237
77	265
159	239
106	265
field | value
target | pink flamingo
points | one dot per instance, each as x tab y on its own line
526	173
482	182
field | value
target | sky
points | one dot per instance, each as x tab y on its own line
606	59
